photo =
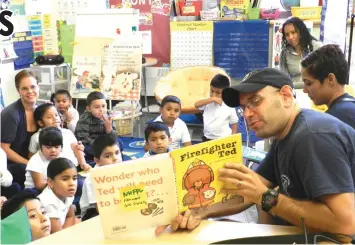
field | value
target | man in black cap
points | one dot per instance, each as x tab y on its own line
311	160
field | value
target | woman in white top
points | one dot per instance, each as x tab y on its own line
58	196
297	43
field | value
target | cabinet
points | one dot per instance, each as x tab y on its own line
51	78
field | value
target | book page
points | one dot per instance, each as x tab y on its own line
196	171
135	195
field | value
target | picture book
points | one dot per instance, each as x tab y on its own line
149	192
196	171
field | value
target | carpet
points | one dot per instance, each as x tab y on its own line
133	148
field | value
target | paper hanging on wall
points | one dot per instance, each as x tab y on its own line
147	41
66	40
191	43
122	66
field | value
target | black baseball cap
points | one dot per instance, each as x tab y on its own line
255	81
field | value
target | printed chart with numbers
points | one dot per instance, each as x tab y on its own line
191	44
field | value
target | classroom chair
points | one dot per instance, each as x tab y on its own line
189	84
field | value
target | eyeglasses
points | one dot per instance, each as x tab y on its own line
28	89
256	100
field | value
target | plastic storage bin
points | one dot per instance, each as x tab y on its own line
269	14
307	13
253	13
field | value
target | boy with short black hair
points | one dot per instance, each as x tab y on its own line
94	122
38	219
217	116
157	137
106	152
170	109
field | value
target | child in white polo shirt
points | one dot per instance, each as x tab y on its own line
58	196
217	116
50	143
106	152
170	109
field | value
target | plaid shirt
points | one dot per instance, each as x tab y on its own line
90	128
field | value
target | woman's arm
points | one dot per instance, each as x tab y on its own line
12	155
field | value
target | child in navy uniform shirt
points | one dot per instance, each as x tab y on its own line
157	138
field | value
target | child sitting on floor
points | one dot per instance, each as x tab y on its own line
38	218
58	196
157	137
217	116
63	102
170	109
50	143
8	188
95	121
106	152
46	115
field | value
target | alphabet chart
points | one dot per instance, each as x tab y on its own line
191	44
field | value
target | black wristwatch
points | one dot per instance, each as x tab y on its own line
269	199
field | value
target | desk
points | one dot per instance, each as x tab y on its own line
90	232
148	62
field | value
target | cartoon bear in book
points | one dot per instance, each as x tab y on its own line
196	181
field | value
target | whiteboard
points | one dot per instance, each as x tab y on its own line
106	23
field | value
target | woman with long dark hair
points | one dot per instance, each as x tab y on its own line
297	43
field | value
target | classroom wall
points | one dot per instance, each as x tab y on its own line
10	94
7	76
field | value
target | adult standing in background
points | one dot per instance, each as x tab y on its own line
324	73
297	43
18	125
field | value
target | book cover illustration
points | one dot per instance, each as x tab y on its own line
86	62
135	195
196	171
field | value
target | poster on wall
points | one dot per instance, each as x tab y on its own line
191	44
110	66
277	40
121	70
67	9
154	17
333	22
277	44
65	35
35	26
86	65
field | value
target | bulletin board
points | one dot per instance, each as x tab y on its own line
191	44
241	46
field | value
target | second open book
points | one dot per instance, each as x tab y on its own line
149	192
